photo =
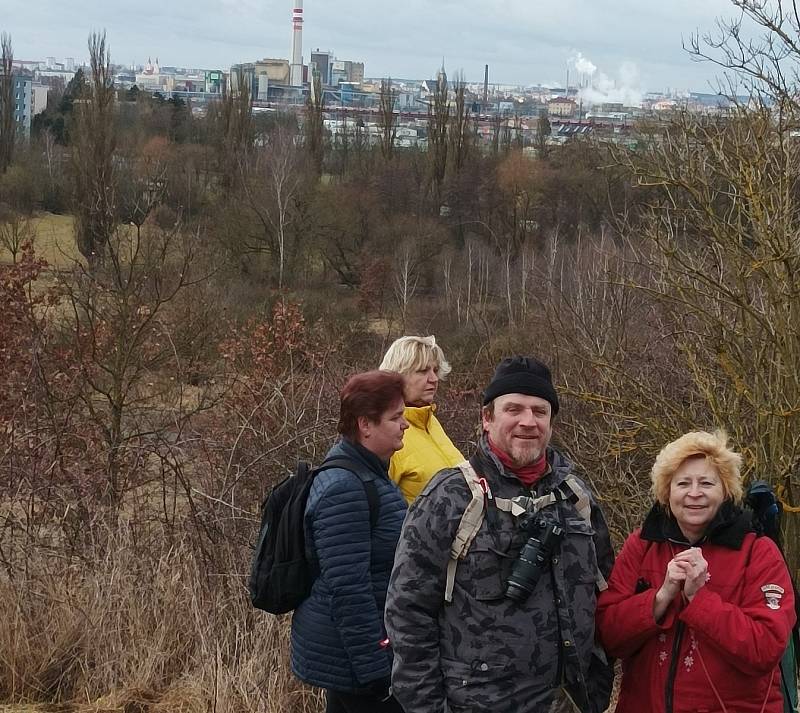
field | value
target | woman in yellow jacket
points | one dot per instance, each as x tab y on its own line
426	448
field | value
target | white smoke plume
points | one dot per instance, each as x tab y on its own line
597	87
582	65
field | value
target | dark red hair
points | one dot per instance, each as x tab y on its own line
368	394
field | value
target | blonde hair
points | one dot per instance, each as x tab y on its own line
408	354
712	446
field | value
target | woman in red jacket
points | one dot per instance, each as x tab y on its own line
698	607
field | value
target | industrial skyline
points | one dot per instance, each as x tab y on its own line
626	44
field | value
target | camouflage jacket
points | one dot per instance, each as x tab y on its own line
485	652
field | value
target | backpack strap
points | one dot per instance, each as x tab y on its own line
469	524
472	519
370	489
374	502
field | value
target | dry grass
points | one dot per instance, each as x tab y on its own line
54	240
123	631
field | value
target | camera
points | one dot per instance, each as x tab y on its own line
534	557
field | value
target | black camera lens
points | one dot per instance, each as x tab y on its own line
534	558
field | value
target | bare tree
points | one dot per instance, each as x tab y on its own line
759	50
15	231
234	119
131	328
406	280
343	141
438	122
497	128
94	144
271	195
387	119
314	126
506	134
459	131
543	130
8	132
713	266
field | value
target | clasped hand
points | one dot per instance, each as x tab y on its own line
687	571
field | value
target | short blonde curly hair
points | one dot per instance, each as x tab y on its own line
712	446
408	354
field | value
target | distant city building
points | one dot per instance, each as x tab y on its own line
215	80
243	73
323	62
356	71
27	65
277	70
665	105
347	92
407	101
22	96
346	71
427	86
39	94
125	79
151	79
47	75
562	107
260	76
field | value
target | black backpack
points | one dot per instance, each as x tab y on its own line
280	575
767	510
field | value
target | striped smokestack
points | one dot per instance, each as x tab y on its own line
296	69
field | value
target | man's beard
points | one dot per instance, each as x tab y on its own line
524	455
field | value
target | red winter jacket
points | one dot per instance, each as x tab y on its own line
731	636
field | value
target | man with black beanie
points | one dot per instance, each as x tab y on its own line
492	596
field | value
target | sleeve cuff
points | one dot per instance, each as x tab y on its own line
646	612
698	607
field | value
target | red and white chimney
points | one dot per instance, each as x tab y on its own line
296	68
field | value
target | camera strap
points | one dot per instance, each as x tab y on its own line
472	519
569	491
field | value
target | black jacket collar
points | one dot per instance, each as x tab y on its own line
727	529
353	449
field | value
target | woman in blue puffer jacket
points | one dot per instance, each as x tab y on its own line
338	639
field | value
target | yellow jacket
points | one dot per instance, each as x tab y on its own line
426	450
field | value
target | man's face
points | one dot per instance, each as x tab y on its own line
520	427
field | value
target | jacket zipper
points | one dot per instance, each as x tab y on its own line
561	671
669	693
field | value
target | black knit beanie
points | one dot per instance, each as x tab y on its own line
522	375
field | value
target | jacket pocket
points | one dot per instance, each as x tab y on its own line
480	574
579	551
473	686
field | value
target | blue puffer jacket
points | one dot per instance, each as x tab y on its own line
336	632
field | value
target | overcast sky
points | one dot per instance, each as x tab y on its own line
629	42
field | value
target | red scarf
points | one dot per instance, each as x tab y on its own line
528	474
